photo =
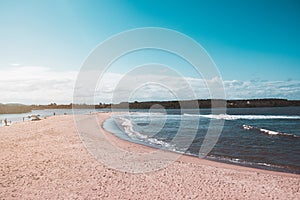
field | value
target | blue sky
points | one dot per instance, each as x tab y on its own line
248	40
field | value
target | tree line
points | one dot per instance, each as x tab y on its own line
203	103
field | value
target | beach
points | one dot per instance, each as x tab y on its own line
47	160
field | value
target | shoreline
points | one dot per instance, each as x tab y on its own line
185	157
47	159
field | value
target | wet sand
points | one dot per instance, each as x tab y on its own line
47	160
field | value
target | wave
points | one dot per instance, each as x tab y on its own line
147	113
129	130
212	116
268	132
236	117
243	162
142	116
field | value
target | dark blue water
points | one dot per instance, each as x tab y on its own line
267	138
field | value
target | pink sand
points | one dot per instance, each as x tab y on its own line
47	160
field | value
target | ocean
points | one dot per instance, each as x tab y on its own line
266	138
13	118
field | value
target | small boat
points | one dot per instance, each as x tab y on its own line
34	117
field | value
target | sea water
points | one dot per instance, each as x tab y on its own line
13	118
267	138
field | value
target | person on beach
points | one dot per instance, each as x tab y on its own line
5	122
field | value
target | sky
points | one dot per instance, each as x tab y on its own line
43	44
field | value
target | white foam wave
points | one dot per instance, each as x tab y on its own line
244	162
147	113
236	117
128	128
268	132
150	116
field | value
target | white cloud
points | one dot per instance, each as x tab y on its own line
15	64
263	89
234	89
41	85
145	87
36	85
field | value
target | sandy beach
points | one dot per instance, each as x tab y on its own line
47	160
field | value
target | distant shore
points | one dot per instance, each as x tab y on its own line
46	159
203	103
